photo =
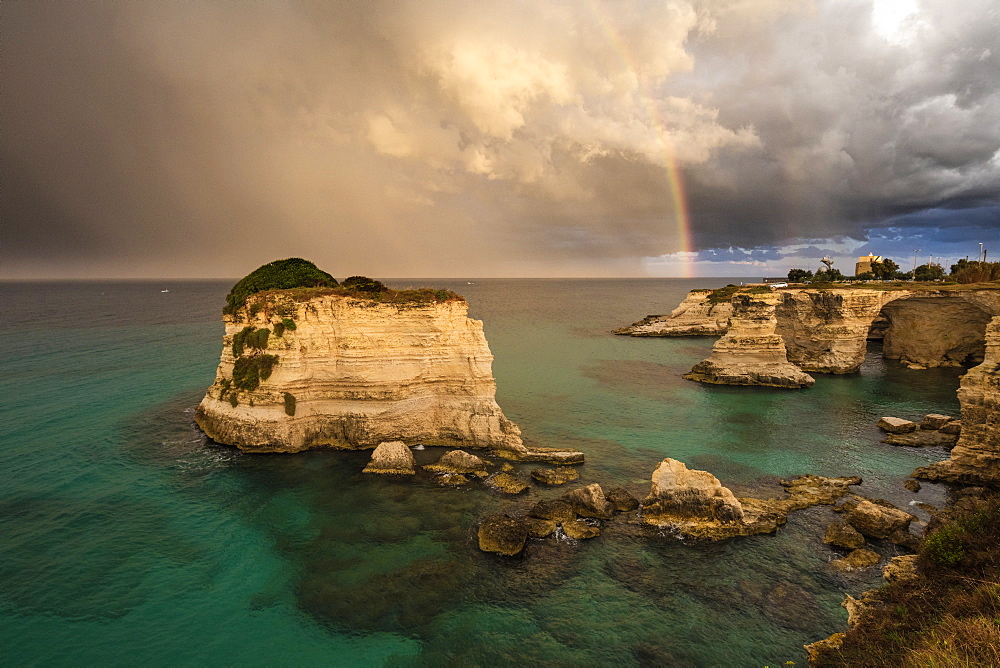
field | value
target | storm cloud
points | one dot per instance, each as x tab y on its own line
472	138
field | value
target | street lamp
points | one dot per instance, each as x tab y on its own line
980	252
914	276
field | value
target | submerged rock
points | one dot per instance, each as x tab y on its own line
503	534
842	534
507	483
556	510
622	499
895	425
578	529
538	527
392	457
857	560
559	476
460	462
590	501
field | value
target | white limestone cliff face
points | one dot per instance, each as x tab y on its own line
751	352
976	458
697	315
826	331
361	372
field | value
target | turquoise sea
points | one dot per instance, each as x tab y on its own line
128	539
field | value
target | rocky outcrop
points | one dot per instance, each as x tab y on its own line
559	476
695	504
679	494
975	460
877	520
895	425
857	560
901	569
502	534
751	352
392	458
826	331
459	462
305	368
700	314
590	501
844	535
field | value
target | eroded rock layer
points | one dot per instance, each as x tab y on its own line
976	457
698	315
351	373
751	352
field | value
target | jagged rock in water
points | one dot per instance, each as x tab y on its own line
579	530
751	352
590	501
935	421
559	476
911	485
502	534
507	483
557	510
878	520
976	458
895	425
857	560
391	457
697	315
684	494
460	462
453	479
622	499
901	569
843	535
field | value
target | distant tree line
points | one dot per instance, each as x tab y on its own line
962	272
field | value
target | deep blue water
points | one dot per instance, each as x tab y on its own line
126	538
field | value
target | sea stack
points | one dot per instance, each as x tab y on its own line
316	363
751	352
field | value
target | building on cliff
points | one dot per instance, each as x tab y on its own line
865	263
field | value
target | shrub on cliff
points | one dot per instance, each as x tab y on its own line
250	337
363	284
278	275
249	371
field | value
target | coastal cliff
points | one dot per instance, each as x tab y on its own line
702	313
975	459
307	368
751	352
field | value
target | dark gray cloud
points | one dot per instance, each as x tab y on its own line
435	138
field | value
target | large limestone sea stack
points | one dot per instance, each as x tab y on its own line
350	366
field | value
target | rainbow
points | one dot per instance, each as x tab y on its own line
682	216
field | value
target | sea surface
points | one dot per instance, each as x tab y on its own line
126	538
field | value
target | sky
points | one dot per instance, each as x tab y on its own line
425	138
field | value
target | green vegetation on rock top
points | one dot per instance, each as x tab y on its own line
301	280
278	275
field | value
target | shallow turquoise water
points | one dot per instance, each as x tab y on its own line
126	538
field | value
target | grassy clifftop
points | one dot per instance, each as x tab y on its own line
302	280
